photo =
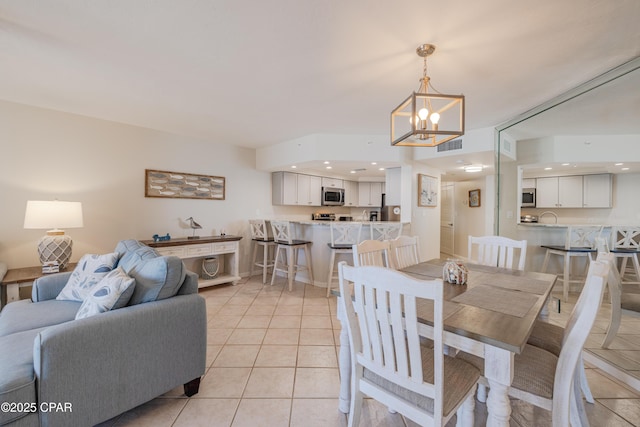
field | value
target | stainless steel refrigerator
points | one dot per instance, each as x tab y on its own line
389	213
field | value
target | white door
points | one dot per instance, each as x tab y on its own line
447	215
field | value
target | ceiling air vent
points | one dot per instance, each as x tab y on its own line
454	144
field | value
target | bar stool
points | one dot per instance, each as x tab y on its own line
260	237
385	230
289	248
625	244
579	242
343	236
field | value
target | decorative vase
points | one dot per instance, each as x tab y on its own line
454	271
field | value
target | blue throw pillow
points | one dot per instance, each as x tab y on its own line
90	270
112	292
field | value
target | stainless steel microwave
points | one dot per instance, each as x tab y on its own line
528	198
332	196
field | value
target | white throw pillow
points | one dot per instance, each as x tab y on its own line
90	270
114	290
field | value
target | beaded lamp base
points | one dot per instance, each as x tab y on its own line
55	248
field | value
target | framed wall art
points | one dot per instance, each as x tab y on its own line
427	190
474	198
179	185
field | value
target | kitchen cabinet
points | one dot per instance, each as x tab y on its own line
559	192
288	188
597	191
332	182
528	183
309	190
370	194
351	193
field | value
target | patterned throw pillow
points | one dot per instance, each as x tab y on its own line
89	271
113	291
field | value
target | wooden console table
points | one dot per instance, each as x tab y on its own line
226	247
17	278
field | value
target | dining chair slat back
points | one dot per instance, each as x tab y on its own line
497	251
389	363
371	253
404	252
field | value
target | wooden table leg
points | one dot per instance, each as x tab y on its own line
498	369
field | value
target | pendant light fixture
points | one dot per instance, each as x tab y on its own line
427	119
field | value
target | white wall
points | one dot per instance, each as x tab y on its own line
53	155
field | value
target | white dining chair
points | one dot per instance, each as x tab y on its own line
580	242
385	230
497	251
343	236
404	251
388	362
622	303
286	259
553	382
371	252
260	238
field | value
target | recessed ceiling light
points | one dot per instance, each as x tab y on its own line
381	169
293	167
326	162
329	167
374	163
473	168
352	172
565	164
619	164
625	169
548	169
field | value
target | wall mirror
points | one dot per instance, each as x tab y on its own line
592	129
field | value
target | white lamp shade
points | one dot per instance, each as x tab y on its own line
53	214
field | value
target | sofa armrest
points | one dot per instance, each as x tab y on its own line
125	357
49	286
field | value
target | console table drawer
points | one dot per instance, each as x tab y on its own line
223	248
172	251
198	250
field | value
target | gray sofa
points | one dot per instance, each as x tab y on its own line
56	370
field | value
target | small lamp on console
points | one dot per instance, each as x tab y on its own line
55	215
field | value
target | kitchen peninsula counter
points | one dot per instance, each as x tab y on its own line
319	233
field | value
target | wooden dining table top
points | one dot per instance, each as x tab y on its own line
497	306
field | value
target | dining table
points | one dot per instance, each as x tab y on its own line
491	316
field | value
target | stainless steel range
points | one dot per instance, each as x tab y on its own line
323	216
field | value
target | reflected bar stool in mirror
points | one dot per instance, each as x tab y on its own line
288	248
343	237
625	245
580	242
260	237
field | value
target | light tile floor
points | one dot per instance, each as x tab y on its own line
272	361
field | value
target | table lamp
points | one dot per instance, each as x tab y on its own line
55	246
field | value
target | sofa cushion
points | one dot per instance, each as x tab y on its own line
24	315
17	377
132	259
90	270
112	292
157	278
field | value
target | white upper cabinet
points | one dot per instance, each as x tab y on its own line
559	192
597	191
309	190
370	194
332	182
351	193
528	183
289	188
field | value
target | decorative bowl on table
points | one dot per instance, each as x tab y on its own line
454	271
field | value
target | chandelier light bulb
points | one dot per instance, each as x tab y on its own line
435	118
423	114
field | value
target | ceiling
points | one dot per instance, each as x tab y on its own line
254	73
